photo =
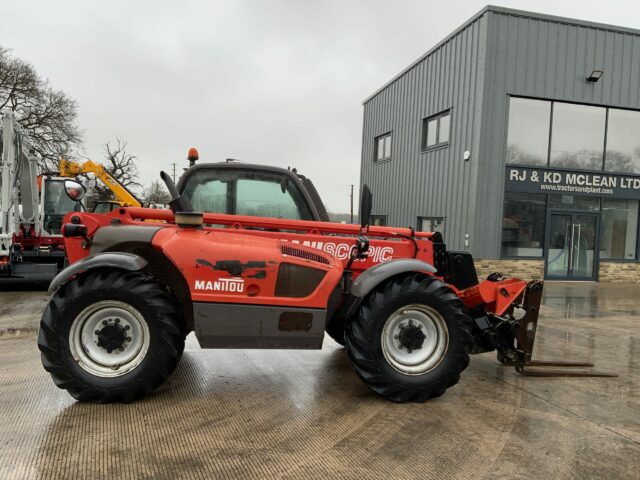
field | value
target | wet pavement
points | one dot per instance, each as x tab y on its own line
20	311
299	414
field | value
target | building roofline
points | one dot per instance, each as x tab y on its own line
506	11
429	52
567	20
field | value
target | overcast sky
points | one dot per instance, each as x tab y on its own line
274	82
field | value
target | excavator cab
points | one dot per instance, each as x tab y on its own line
59	196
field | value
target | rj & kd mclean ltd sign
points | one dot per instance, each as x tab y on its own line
542	180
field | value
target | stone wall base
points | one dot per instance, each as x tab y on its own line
617	272
610	272
524	269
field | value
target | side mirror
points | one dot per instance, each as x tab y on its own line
75	191
362	245
366	202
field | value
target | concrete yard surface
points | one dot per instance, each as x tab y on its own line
305	414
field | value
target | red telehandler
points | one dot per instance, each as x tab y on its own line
408	310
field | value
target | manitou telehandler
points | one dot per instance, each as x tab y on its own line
408	310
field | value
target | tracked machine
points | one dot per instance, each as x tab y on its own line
32	208
246	259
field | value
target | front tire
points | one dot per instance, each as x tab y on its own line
410	339
335	328
111	336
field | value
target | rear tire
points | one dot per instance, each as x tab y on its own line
111	336
410	339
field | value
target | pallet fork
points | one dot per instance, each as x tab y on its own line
524	331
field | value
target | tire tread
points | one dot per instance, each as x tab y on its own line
54	347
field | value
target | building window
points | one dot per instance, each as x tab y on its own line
618	229
577	136
528	135
523	224
383	147
435	130
431	224
623	141
378	220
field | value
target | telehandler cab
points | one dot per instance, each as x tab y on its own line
408	311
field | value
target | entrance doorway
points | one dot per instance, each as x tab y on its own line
571	251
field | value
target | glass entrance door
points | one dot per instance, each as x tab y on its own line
572	252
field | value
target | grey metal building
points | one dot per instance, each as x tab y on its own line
518	137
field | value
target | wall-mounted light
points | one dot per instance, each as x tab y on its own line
595	76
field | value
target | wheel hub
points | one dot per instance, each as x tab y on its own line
411	336
109	338
414	339
113	336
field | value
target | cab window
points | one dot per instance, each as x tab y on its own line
104	207
246	192
209	196
263	198
56	204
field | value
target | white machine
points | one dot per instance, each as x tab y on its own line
31	209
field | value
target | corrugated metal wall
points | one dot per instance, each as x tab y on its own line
500	52
439	182
550	58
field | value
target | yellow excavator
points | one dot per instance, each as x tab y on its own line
123	196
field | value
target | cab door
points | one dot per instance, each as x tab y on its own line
260	195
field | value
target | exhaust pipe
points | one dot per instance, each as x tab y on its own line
178	203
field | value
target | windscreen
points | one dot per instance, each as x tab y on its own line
246	192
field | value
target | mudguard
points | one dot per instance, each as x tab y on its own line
117	260
372	277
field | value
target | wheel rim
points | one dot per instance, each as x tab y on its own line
414	339
109	338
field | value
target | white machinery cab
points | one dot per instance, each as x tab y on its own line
55	202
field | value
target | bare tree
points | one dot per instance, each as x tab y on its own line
48	116
122	165
156	193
